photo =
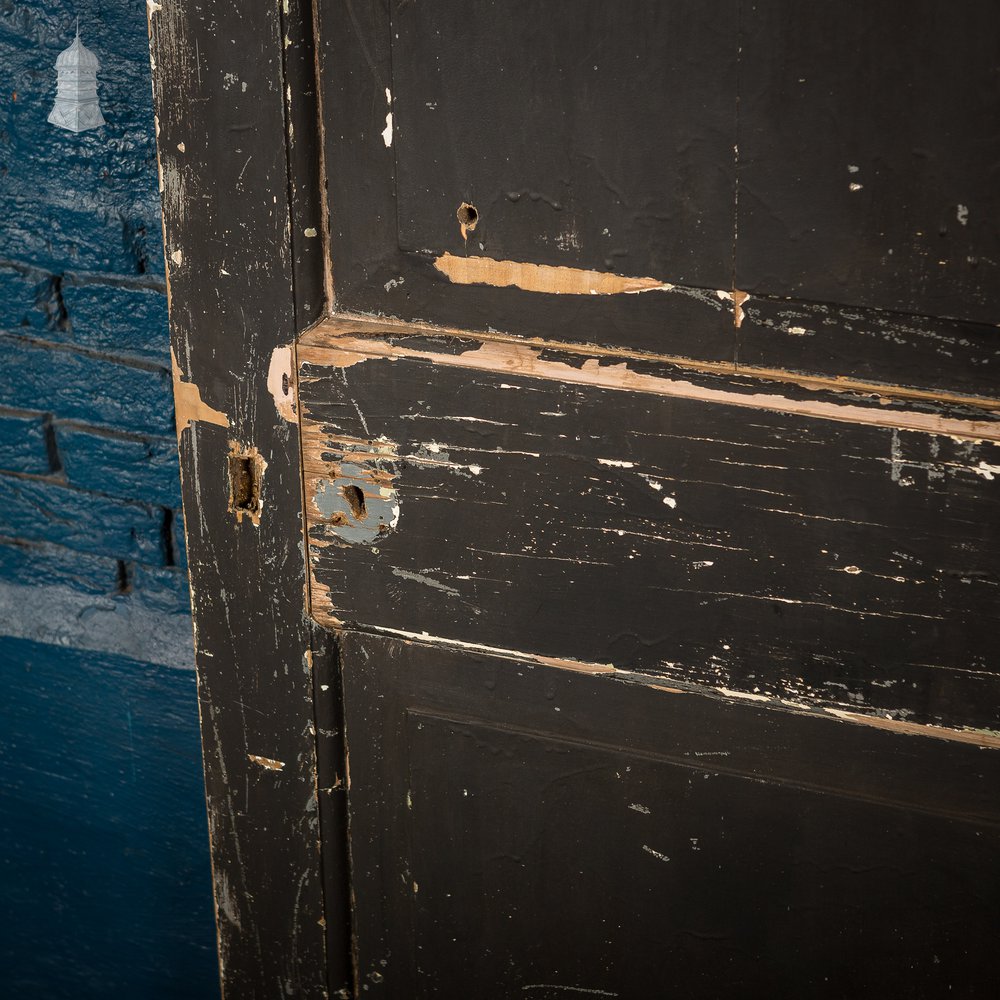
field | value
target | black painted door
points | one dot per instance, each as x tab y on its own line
633	383
658	523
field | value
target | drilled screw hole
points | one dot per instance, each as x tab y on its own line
467	216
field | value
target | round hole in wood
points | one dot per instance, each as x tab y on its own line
467	216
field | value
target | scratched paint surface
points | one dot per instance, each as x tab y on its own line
234	98
703	542
623	836
551	186
891	208
824	539
655	143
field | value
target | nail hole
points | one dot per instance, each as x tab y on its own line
467	216
355	500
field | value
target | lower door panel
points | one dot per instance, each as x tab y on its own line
519	830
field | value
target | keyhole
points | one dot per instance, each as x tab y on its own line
355	500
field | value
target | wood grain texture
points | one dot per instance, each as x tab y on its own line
239	283
509	841
703	536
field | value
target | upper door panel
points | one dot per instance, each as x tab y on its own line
593	145
869	155
624	174
598	136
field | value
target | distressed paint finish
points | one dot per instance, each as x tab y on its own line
738	521
677	177
791	555
596	837
230	84
384	261
526	137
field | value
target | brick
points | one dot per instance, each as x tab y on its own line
116	319
59	237
44	511
122	319
93	390
129	467
28	303
162	589
23	445
39	562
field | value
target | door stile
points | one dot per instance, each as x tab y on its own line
244	274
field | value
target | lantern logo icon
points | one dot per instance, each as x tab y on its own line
76	106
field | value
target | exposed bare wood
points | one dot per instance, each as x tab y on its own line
343	342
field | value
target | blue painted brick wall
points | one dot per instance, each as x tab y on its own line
105	876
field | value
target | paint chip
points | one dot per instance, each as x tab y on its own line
387	131
986	470
188	404
546	278
280	382
268	762
656	854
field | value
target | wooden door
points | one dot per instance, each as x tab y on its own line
591	460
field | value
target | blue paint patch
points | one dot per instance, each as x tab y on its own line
105	889
121	466
23	443
77	386
106	879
